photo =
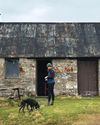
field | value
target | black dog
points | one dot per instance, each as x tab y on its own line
29	102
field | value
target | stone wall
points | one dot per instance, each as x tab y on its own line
28	74
99	76
66	76
1	73
26	81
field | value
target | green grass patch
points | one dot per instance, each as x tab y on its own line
66	111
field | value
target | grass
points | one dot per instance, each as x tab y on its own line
66	111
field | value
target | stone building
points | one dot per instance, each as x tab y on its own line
72	48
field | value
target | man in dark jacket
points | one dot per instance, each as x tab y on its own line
50	82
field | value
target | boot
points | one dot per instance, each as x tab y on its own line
52	103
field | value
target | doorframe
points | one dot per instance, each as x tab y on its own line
37	59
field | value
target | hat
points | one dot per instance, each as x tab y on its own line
49	65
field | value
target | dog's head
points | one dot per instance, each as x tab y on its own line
37	106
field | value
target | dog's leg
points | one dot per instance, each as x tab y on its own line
31	108
23	108
20	108
28	107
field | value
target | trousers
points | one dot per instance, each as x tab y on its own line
51	95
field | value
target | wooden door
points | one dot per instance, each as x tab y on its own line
88	77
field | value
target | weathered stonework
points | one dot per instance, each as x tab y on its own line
26	81
1	73
99	76
66	76
28	74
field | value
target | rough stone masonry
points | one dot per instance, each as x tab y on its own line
59	41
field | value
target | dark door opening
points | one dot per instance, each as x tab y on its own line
41	73
88	77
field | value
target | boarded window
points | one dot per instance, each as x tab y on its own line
12	68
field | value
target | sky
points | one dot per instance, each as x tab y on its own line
49	10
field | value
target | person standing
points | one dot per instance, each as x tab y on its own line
51	83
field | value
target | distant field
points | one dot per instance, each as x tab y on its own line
66	111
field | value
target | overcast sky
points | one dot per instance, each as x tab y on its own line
50	10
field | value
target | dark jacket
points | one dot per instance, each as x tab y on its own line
51	75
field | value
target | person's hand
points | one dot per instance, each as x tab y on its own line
46	78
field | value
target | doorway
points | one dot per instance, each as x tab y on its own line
88	77
41	73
